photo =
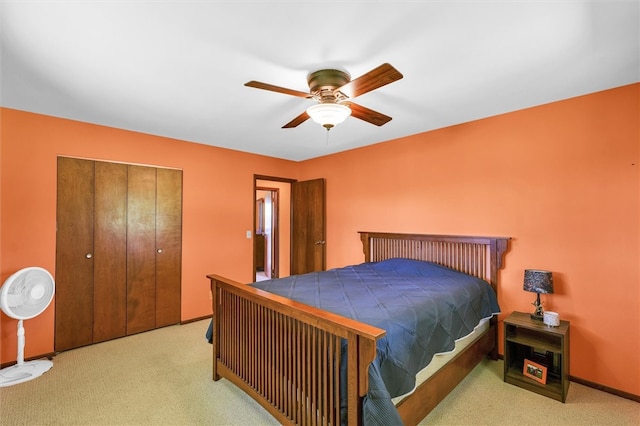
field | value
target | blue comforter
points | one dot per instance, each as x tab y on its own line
423	307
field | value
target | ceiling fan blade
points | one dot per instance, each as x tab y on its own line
296	121
271	87
377	77
366	114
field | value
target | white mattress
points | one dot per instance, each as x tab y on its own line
442	358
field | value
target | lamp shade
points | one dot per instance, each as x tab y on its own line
537	281
328	114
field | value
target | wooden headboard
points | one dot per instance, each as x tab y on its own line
477	256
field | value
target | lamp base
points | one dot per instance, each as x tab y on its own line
536	317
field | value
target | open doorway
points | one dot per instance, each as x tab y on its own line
272	229
266	234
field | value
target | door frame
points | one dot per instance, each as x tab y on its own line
276	246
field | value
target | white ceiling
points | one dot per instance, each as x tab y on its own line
178	68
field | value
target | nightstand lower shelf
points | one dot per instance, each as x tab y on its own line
552	389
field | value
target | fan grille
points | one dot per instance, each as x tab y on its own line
27	293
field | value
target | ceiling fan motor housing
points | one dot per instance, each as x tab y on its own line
325	83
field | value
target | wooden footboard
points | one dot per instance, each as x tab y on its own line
290	357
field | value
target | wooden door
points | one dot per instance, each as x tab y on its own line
110	252
74	254
141	249
308	226
168	246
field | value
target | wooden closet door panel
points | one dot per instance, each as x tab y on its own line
141	236
74	254
110	252
168	246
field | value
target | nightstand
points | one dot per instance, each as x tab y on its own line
542	345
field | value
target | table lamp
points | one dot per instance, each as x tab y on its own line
537	281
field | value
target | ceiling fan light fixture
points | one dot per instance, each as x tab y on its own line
328	114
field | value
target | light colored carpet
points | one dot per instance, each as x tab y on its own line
163	377
483	398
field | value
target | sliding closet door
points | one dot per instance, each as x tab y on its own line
110	252
74	254
141	249
168	246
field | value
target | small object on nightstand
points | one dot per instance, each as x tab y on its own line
551	319
537	281
536	356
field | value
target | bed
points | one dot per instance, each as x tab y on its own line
324	364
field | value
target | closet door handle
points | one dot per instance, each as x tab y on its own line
319	242
159	250
88	255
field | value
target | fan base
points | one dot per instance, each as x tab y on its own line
24	372
327	79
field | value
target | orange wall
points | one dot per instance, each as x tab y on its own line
217	205
561	180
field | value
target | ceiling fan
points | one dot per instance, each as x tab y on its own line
333	90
